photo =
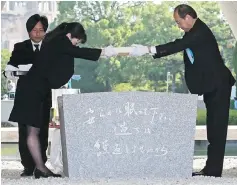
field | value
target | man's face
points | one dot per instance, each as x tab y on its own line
183	23
37	33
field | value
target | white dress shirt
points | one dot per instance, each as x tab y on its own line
33	43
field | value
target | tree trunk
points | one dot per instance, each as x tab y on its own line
173	83
108	86
156	86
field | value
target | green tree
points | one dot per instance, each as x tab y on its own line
234	62
158	27
210	13
105	24
147	23
5	56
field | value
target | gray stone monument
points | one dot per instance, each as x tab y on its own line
128	135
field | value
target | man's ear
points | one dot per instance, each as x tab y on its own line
187	17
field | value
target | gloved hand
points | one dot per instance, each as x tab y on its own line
9	75
109	51
138	50
8	72
11	68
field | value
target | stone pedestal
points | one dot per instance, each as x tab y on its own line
128	135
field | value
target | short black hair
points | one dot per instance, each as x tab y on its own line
34	19
184	9
75	28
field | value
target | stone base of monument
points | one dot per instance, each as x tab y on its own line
127	135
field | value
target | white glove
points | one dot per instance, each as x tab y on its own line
11	68
8	72
110	51
25	67
138	50
9	75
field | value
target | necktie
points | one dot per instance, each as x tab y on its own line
190	55
36	48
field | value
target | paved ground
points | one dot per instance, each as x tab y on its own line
11	171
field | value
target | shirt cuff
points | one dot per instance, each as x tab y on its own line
153	49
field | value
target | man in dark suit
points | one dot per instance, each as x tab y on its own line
205	74
24	53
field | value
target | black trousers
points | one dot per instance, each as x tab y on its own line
26	158
217	104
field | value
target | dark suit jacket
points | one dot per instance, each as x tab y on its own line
56	61
22	54
208	70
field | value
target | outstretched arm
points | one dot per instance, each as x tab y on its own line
91	53
84	53
178	45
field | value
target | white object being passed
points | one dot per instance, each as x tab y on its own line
116	51
139	50
123	50
11	68
24	67
110	51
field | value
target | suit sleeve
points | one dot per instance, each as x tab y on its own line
84	53
179	45
15	58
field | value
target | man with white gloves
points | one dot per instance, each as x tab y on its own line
205	74
12	72
20	62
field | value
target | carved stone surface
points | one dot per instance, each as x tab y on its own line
128	134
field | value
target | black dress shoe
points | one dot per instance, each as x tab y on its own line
202	173
38	174
27	172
